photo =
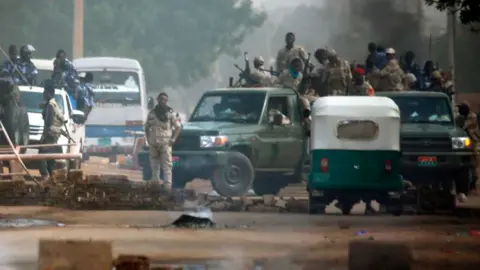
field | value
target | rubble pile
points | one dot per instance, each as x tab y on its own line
75	190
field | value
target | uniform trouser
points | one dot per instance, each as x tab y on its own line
161	157
47	166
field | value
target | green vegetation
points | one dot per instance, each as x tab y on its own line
176	41
469	9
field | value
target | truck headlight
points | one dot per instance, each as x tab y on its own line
212	141
461	143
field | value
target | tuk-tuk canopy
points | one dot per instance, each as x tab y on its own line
355	123
357	106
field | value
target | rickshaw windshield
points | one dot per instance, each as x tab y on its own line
431	110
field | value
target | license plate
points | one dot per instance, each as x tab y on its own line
427	161
175	161
105	141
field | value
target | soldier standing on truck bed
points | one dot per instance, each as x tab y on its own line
53	125
259	75
391	77
338	76
158	131
288	53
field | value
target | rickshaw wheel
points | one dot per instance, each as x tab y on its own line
346	208
315	206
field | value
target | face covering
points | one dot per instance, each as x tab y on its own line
293	73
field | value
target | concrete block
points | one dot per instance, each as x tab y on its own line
377	255
75	254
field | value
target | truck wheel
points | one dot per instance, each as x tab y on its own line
235	177
395	208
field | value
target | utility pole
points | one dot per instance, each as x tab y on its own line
78	19
451	34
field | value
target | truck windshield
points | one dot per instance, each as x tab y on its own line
32	101
229	107
432	110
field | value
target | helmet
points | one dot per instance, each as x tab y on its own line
258	60
28	48
390	51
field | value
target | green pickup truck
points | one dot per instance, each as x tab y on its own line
231	140
436	154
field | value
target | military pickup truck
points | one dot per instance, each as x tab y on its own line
436	154
231	140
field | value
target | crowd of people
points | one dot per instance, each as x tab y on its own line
20	70
382	71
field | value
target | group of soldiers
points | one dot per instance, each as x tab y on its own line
22	71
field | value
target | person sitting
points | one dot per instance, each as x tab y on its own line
28	71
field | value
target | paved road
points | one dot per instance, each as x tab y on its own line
289	240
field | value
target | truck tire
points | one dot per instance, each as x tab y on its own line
235	178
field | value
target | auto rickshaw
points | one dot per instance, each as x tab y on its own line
355	153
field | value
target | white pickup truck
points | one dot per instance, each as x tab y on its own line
31	98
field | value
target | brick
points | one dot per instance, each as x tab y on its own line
374	255
75	254
76	176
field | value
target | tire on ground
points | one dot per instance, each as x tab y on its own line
234	178
374	254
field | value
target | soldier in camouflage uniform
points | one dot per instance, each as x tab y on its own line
53	124
288	53
158	131
360	86
471	127
338	76
259	75
291	77
391	77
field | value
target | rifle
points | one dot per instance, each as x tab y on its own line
305	77
244	73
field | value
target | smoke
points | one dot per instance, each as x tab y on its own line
392	23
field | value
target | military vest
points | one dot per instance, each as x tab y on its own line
58	119
159	132
336	77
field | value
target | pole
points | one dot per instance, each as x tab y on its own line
78	18
451	27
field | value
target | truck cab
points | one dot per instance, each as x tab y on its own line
231	140
31	98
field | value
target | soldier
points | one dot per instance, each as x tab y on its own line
85	87
10	64
471	127
53	125
259	75
276	109
158	131
391	77
26	67
288	53
291	77
64	73
410	82
360	86
338	75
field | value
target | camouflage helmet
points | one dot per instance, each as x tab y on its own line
390	51
258	60
27	48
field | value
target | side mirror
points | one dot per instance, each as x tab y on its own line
151	104
306	113
78	117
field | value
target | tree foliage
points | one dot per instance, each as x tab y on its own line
469	9
176	41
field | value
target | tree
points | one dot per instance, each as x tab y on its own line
469	9
175	41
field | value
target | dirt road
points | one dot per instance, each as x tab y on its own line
279	241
